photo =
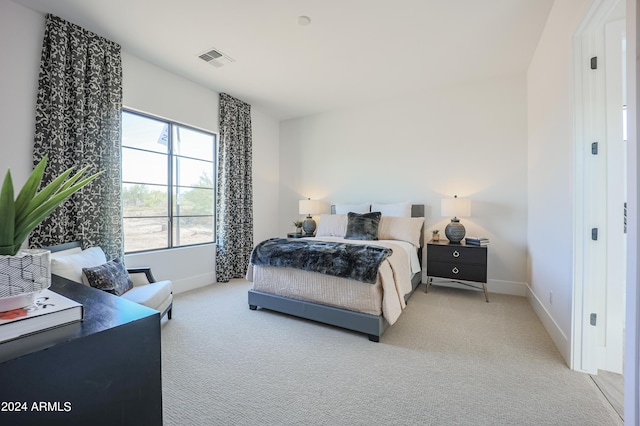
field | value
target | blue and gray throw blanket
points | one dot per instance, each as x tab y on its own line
353	261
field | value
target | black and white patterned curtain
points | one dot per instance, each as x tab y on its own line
234	223
78	120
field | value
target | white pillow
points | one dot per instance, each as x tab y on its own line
397	209
70	267
355	208
401	228
67	252
332	225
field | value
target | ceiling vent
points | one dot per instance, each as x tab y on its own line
216	58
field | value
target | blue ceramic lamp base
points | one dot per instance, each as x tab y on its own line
455	231
309	226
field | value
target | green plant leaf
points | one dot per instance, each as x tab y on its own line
21	216
72	180
43	195
35	217
7	212
30	187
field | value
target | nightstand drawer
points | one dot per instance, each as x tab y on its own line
457	271
457	253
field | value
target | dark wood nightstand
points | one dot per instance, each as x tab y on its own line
296	235
457	262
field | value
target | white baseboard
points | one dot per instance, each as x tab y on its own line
191	283
512	288
559	338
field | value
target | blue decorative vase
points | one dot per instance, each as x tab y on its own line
309	226
455	231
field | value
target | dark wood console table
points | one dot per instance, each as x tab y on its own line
105	370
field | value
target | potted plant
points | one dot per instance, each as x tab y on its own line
435	235
25	272
298	225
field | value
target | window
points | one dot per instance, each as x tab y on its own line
168	188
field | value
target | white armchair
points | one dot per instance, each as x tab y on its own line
69	260
149	292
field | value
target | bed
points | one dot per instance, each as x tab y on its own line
337	298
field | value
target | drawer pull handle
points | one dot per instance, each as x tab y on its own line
456	254
455	270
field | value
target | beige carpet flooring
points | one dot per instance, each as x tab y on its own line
451	359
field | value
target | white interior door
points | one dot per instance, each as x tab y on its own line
610	341
600	242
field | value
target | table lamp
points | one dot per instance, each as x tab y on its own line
309	207
456	207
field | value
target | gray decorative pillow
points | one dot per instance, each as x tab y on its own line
363	226
111	277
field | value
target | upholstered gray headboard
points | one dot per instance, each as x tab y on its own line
417	210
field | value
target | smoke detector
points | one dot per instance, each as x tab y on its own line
216	58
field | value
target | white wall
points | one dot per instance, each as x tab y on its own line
468	140
266	175
150	89
21	33
550	163
146	88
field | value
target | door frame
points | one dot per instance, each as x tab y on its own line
590	126
611	336
632	321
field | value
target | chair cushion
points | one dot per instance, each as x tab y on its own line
111	277
70	267
151	295
165	304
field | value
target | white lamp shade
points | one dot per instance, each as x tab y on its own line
309	207
455	207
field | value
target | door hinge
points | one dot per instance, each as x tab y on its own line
593	318
594	148
625	217
594	234
594	63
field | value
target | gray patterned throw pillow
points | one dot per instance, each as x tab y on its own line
111	277
363	226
